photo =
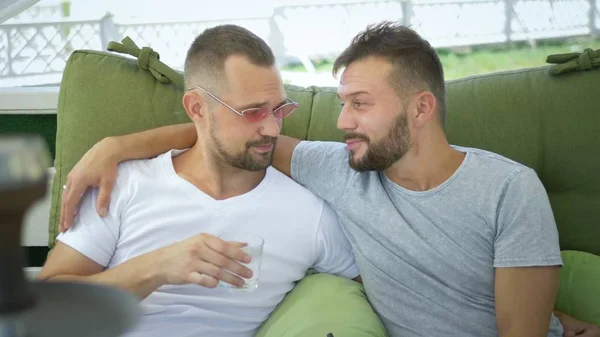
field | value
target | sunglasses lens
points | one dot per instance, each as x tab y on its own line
285	110
255	115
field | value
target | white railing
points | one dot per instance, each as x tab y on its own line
42	48
172	39
304	33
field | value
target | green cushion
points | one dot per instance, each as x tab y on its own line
318	306
324	115
579	293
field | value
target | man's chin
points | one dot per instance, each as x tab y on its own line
356	164
263	162
362	165
256	166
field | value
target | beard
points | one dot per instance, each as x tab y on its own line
246	159
384	153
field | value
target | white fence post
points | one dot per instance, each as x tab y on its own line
108	30
508	17
9	57
406	12
276	39
592	18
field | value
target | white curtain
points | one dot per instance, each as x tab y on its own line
10	8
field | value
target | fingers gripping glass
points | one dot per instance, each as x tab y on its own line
253	115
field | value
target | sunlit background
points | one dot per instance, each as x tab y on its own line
471	36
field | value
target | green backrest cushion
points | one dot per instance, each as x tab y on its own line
548	123
315	307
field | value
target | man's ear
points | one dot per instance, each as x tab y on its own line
194	105
425	108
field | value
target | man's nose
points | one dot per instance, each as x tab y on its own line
345	120
271	126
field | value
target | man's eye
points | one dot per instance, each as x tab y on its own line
358	104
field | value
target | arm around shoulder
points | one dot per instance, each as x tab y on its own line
150	143
322	167
97	168
282	159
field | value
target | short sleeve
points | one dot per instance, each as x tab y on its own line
333	252
94	236
322	167
526	233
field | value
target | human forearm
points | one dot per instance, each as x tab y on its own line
282	160
150	143
138	276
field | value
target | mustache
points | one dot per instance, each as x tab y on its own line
263	141
356	135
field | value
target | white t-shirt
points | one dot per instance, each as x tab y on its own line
151	207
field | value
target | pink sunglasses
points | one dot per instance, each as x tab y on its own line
253	115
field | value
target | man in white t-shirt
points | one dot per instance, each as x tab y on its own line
159	237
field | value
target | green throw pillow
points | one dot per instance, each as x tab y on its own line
321	304
579	294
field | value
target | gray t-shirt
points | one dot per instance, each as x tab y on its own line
427	258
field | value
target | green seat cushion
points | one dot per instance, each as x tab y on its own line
579	294
321	304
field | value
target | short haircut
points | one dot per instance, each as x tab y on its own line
205	59
415	63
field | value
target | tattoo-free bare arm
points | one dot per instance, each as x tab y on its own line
150	143
282	159
138	276
525	299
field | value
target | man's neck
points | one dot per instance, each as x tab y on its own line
426	165
217	179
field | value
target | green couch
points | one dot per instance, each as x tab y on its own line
548	122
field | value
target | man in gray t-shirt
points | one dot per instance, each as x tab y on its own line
449	241
427	258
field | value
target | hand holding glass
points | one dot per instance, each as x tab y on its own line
254	248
